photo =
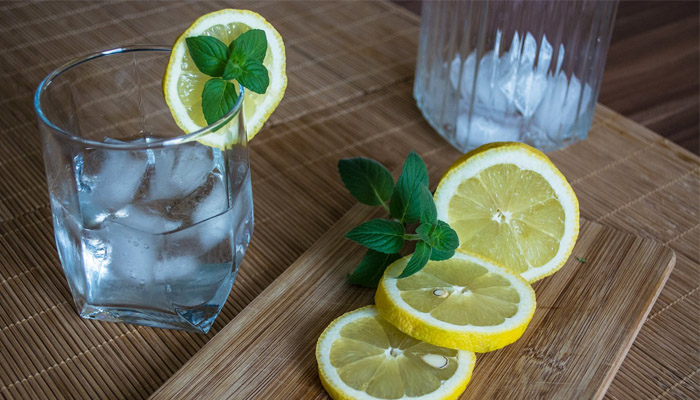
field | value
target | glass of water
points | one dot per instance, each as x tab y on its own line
527	71
151	225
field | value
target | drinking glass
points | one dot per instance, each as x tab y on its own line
150	224
527	71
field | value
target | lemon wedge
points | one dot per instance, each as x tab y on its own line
361	356
465	303
509	203
183	82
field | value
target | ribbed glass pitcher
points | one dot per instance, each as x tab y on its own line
527	71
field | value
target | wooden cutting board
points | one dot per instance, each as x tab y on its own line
587	317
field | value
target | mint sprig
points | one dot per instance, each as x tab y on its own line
241	60
405	201
408	202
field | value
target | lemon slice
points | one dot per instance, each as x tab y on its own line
465	303
361	356
183	82
509	203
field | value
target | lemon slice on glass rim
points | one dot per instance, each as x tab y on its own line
466	302
361	356
509	203
183	82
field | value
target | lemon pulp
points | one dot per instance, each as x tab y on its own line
362	356
510	215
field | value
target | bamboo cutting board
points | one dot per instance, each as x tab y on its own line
587	318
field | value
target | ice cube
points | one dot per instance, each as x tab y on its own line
132	252
213	226
172	269
179	171
514	51
146	220
561	106
487	82
545	57
161	166
527	56
560	59
466	80
191	167
455	69
213	203
525	85
529	91
108	179
482	129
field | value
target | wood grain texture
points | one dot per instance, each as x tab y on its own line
587	317
624	175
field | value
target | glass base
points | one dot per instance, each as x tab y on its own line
199	319
464	139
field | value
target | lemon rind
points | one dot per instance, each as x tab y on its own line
429	329
278	69
338	390
525	157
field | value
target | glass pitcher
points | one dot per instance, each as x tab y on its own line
527	71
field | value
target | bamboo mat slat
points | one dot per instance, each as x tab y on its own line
350	83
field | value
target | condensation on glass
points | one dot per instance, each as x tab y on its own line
527	71
150	224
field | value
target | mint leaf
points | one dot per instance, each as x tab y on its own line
428	213
254	76
371	268
251	45
418	260
232	70
440	237
208	53
380	235
218	98
405	201
443	238
423	231
367	180
437	255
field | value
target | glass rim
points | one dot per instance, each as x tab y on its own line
165	142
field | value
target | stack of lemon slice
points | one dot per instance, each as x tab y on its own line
517	220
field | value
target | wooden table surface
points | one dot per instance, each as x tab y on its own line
349	94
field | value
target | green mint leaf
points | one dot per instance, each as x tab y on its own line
251	45
423	231
439	236
231	46
418	260
232	70
371	268
443	238
218	98
254	76
209	54
428	213
581	260
405	201
437	255
379	234
367	180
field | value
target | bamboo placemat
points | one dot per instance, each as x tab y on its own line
350	68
